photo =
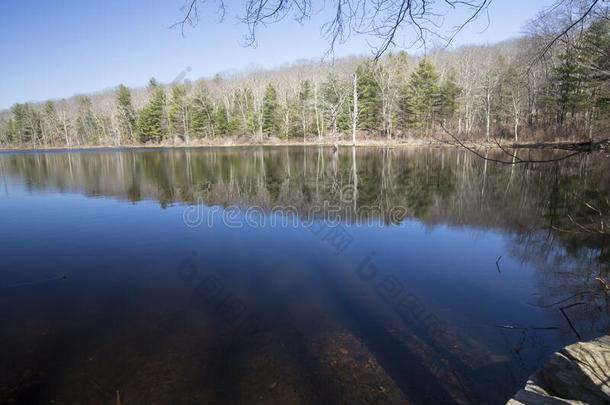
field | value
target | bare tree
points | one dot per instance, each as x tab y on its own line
337	94
388	72
355	109
490	80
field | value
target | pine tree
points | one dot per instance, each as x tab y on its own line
448	97
24	127
11	132
369	103
126	114
423	94
234	121
152	123
221	120
270	111
201	113
51	126
305	107
570	85
178	113
595	58
87	126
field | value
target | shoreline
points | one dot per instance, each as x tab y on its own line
230	143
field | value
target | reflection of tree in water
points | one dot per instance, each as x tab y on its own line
557	214
570	250
559	209
552	216
264	177
436	185
542	209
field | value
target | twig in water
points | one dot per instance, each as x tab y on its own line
498	263
562	309
605	285
515	327
578	294
62	277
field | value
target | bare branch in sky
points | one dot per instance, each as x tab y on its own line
557	23
384	20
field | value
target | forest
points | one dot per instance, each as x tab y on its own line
517	91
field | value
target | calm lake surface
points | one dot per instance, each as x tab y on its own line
291	274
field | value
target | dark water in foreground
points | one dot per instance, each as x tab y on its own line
289	275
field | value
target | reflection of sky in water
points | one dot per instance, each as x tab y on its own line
116	250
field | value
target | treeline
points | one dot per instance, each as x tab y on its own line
512	90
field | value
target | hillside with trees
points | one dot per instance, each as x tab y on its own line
518	91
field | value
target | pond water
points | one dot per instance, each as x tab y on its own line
292	274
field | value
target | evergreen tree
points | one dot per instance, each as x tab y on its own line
221	120
448	97
87	126
270	111
305	107
201	113
423	94
152	122
178	112
369	103
126	114
569	78
570	87
51	126
406	113
11	132
234	121
24	126
595	58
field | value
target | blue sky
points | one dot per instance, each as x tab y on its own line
56	49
